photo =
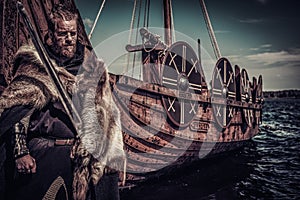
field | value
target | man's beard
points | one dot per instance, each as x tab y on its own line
68	51
65	52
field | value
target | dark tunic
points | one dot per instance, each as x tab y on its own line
54	170
54	174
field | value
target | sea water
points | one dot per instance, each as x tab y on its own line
267	168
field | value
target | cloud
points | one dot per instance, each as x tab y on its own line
254	49
277	59
280	70
222	31
264	47
251	21
262	1
88	22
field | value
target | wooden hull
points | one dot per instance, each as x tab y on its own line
153	143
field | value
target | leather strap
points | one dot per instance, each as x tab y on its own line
64	142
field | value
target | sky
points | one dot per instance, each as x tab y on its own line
262	36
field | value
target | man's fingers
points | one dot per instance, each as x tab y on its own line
33	168
32	163
19	167
26	165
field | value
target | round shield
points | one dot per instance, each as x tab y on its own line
181	73
223	90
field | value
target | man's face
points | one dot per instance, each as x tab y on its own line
65	38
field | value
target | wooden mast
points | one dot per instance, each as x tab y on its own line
167	22
210	30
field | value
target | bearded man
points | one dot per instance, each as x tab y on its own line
50	163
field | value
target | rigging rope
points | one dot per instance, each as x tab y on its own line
96	20
172	22
148	12
136	37
132	22
130	32
146	15
145	61
210	30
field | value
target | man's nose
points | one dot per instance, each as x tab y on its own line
69	37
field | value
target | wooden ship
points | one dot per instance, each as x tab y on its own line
170	116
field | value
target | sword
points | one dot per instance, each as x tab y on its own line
62	93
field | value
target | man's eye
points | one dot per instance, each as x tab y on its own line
62	33
73	33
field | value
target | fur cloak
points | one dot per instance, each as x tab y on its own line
100	143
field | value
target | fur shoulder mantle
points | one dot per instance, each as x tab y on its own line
31	84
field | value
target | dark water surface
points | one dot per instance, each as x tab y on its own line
267	168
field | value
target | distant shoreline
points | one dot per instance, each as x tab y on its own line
282	94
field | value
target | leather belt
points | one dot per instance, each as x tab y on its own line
64	142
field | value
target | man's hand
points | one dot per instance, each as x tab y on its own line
26	164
